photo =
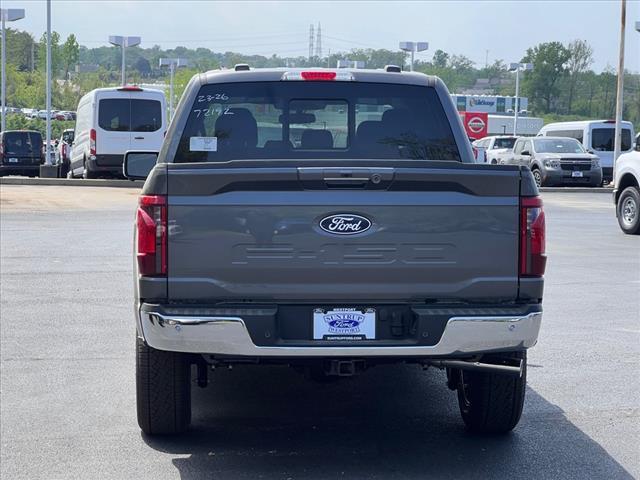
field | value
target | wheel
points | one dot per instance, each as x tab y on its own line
628	210
492	402
64	169
163	390
494	162
537	176
86	173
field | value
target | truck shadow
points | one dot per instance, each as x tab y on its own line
391	422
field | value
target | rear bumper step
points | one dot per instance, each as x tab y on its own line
228	335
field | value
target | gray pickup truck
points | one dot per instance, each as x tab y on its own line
331	220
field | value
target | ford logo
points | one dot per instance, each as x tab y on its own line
345	224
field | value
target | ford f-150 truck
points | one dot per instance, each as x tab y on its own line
331	220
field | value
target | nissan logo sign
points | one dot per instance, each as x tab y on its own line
345	224
476	124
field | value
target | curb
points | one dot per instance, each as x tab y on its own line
577	190
68	182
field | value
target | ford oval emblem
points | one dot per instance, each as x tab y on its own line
345	224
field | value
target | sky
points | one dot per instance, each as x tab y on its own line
482	29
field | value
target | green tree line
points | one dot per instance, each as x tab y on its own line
562	84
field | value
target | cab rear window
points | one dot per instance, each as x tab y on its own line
328	120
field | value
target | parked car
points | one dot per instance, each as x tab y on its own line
555	161
42	114
20	152
596	136
626	192
354	245
489	148
63	150
111	121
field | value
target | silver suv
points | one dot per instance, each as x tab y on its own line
556	161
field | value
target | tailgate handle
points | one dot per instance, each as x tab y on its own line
337	177
346	180
138	138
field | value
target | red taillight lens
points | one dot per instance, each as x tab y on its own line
532	237
151	223
92	142
318	75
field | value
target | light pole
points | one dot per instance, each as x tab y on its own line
619	90
517	67
7	15
124	42
413	47
172	63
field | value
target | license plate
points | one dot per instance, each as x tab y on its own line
344	324
576	174
13	160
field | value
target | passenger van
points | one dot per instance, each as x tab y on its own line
111	121
596	136
20	152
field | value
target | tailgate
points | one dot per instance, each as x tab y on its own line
255	234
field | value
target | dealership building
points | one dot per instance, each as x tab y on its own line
499	110
489	103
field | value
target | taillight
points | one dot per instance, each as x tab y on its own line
92	142
532	237
151	223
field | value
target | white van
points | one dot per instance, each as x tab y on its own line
596	136
111	121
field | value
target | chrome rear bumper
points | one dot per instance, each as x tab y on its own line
229	336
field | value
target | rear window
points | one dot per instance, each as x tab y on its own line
304	120
67	136
602	139
22	143
125	115
504	143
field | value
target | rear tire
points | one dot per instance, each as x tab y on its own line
492	402
163	390
628	210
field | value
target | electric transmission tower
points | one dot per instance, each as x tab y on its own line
319	42
310	41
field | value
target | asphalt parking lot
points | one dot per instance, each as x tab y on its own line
67	369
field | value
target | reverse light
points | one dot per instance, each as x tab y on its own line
533	258
92	142
151	229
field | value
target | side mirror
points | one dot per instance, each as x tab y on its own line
525	152
138	165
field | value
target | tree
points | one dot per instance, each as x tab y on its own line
70	54
549	65
56	59
440	59
580	59
143	66
19	49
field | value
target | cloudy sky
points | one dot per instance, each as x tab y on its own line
478	29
